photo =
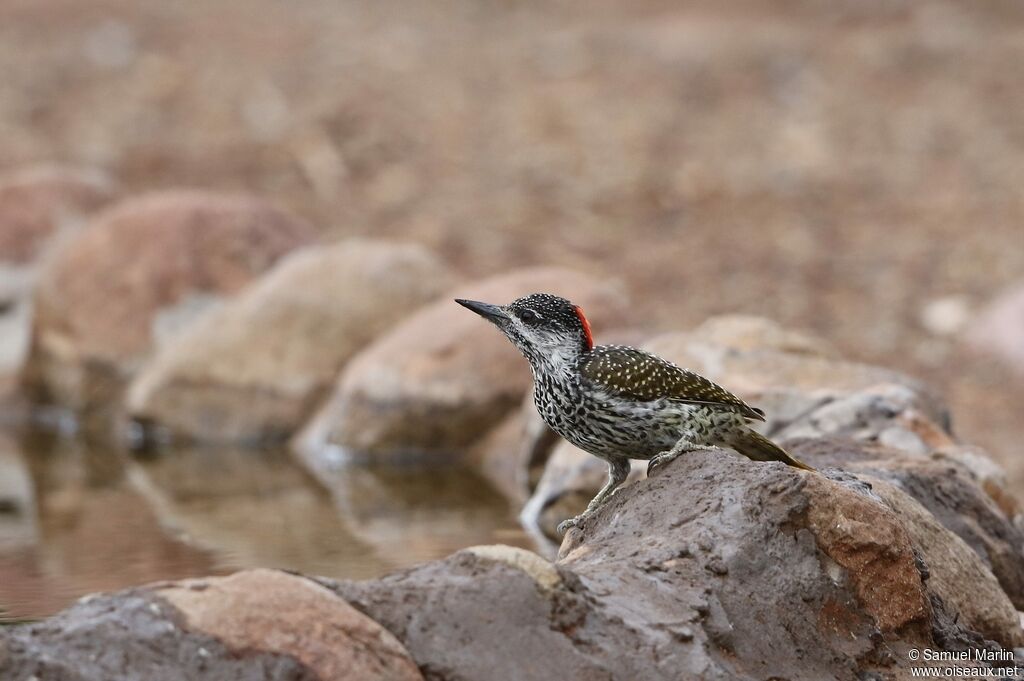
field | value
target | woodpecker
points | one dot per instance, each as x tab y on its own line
617	402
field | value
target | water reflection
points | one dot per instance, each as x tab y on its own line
412	514
84	529
76	518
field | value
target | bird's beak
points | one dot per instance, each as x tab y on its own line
491	313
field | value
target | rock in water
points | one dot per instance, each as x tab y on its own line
255	624
100	300
254	369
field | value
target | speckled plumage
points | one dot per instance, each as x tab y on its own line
617	402
621	402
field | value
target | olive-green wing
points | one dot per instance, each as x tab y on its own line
641	376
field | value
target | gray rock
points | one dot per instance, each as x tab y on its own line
989	475
486	615
890	414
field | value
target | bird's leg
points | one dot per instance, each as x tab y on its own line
683	446
618	471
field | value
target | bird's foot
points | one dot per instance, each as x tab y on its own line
658	461
671	455
568	523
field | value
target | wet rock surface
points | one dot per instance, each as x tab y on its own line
254	369
443	378
254	624
139	272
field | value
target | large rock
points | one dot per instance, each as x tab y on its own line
716	568
138	273
888	414
826	558
444	377
254	369
255	624
948	489
952	566
40	207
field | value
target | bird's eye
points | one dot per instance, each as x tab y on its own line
529	316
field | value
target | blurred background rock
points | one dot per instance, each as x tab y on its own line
853	169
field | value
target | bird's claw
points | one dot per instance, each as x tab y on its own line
657	462
568	523
671	455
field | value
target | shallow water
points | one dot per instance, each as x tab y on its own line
77	518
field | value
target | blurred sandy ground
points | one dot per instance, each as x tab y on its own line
855	167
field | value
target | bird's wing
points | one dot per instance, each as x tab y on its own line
641	376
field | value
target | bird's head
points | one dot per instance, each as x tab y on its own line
550	331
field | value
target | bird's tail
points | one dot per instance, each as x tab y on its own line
757	447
